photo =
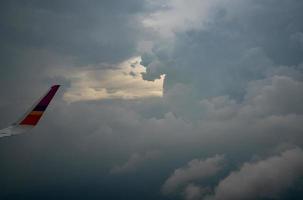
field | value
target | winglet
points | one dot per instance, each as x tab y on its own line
33	117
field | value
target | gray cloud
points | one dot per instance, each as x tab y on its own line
134	162
276	95
263	179
90	32
233	86
39	38
235	47
194	192
195	170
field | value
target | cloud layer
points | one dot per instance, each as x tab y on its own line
263	179
233	86
195	170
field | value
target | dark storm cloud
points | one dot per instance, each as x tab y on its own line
233	86
234	72
90	32
239	43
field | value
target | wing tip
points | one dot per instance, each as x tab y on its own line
56	86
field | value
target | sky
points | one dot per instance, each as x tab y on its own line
160	99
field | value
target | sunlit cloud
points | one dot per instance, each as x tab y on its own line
124	82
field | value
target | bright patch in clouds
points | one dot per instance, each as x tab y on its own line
125	82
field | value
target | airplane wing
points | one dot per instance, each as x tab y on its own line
32	117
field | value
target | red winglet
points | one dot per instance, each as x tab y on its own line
33	117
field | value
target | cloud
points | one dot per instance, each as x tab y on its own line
270	112
274	95
195	170
263	179
197	57
89	33
125	82
194	192
175	16
233	86
134	162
